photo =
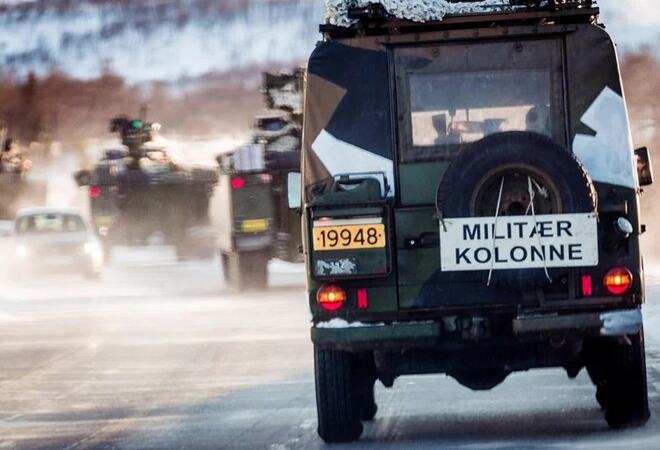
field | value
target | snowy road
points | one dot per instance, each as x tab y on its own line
158	355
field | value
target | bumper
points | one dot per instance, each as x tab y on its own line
252	242
614	323
62	264
357	336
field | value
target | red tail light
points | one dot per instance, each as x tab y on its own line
238	183
362	298
587	286
331	297
618	281
95	191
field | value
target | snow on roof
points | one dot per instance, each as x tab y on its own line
415	10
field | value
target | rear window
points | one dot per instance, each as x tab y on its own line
49	223
456	94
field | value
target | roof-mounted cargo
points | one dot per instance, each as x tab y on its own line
346	18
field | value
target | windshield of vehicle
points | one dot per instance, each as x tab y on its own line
456	94
49	223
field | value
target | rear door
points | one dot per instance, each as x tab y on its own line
449	95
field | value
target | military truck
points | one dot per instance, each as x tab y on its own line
16	189
253	219
471	205
139	191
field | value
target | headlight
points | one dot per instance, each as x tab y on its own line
22	251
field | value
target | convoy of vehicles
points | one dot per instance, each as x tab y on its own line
140	191
50	240
469	197
471	207
250	207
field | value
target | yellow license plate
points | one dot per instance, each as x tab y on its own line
349	237
254	225
104	221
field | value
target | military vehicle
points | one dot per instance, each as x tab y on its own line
254	221
471	205
16	189
140	191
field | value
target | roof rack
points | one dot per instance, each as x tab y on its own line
375	19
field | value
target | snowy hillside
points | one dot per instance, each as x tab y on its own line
154	39
170	39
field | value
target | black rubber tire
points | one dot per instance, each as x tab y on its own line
473	165
337	399
618	369
368	375
626	403
368	406
247	270
224	261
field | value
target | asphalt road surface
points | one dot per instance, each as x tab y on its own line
161	355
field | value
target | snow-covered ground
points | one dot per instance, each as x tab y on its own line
161	355
652	307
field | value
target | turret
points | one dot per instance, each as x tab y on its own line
134	134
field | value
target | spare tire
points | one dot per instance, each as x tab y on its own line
506	162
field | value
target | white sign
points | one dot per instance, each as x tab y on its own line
519	242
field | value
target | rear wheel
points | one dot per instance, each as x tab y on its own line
627	402
368	406
224	258
368	374
619	371
337	395
246	269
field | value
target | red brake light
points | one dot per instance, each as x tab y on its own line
95	191
238	183
362	298
331	297
618	281
587	286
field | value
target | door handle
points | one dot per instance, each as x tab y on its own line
427	239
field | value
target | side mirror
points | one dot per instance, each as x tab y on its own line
293	189
644	166
83	177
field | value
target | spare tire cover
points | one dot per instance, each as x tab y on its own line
528	151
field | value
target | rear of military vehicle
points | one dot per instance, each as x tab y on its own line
471	208
243	213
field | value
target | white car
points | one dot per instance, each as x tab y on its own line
56	240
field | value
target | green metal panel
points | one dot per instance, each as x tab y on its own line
376	334
415	265
419	182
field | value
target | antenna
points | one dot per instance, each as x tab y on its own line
144	109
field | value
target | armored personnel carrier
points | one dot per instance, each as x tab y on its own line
139	190
470	203
16	189
254	221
